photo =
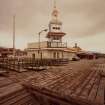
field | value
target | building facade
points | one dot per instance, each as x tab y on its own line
7	52
54	48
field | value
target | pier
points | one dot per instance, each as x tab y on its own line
76	83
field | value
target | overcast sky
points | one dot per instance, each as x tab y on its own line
83	21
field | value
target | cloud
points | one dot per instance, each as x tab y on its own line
84	17
80	17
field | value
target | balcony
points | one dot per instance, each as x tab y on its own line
56	45
47	44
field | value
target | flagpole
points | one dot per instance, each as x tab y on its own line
14	36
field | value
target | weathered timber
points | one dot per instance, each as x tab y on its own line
77	83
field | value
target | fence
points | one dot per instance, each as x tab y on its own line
23	64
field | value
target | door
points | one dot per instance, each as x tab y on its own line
33	56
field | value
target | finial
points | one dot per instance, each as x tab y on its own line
55	11
54	3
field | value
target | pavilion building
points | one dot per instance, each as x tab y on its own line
54	48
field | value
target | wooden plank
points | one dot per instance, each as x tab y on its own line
29	100
85	91
80	87
77	82
16	99
5	91
5	82
12	95
93	91
100	93
2	78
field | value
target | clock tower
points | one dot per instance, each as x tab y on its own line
55	33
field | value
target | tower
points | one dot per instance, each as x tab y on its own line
55	33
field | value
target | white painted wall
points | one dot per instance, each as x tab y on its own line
36	45
47	54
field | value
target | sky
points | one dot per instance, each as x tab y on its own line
83	22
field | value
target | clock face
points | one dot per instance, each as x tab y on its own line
55	28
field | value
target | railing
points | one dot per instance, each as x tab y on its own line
56	45
29	63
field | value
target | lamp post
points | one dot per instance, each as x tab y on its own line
39	47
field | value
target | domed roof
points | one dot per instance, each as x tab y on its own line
55	12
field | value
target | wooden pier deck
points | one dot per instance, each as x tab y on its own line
77	83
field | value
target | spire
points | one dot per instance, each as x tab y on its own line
55	11
54	3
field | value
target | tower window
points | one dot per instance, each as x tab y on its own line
57	28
